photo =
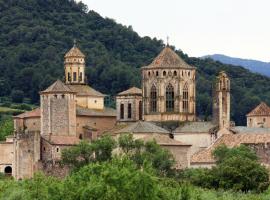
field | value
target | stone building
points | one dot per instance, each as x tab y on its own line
68	112
168	89
129	105
147	131
259	117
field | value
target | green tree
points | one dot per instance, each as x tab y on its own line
17	96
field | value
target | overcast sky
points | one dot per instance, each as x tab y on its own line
238	28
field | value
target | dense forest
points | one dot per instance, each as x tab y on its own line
35	34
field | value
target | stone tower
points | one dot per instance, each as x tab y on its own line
58	110
221	101
168	89
75	66
129	105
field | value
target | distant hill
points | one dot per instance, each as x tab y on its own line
35	34
252	65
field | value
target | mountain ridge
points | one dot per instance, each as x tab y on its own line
250	64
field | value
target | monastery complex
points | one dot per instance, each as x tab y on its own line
164	110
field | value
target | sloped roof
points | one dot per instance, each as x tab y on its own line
244	129
74	52
162	139
261	110
108	112
85	90
58	86
131	91
29	114
195	127
168	59
142	127
230	140
61	140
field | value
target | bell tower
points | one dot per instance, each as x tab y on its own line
221	101
75	66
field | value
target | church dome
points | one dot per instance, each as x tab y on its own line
74	52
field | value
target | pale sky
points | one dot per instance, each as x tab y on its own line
238	28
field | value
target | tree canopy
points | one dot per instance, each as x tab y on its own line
35	34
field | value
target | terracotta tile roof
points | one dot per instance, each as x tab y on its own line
168	59
74	52
61	140
109	112
29	114
261	110
85	90
143	127
195	127
58	86
162	139
131	91
230	140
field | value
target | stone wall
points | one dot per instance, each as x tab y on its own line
258	122
198	141
90	102
26	154
134	100
262	151
181	155
100	123
58	114
6	155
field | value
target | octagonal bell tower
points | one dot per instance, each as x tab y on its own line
75	66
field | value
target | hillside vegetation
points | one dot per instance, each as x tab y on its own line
35	34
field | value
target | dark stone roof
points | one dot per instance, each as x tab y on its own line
131	91
85	90
58	87
195	127
244	129
142	127
108	112
168	59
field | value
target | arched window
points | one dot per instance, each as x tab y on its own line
185	98
164	73
8	170
175	73
169	98
153	99
156	73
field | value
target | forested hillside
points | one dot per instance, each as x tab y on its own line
35	34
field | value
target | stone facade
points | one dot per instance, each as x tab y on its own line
221	101
259	117
168	88
6	156
58	112
26	154
129	105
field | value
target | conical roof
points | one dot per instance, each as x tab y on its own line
143	127
74	52
58	86
168	59
131	91
261	110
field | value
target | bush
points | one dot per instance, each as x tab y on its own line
237	169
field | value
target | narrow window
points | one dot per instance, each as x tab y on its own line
175	73
164	73
74	76
185	98
153	99
80	78
69	77
156	73
129	110
140	110
57	149
122	111
169	98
